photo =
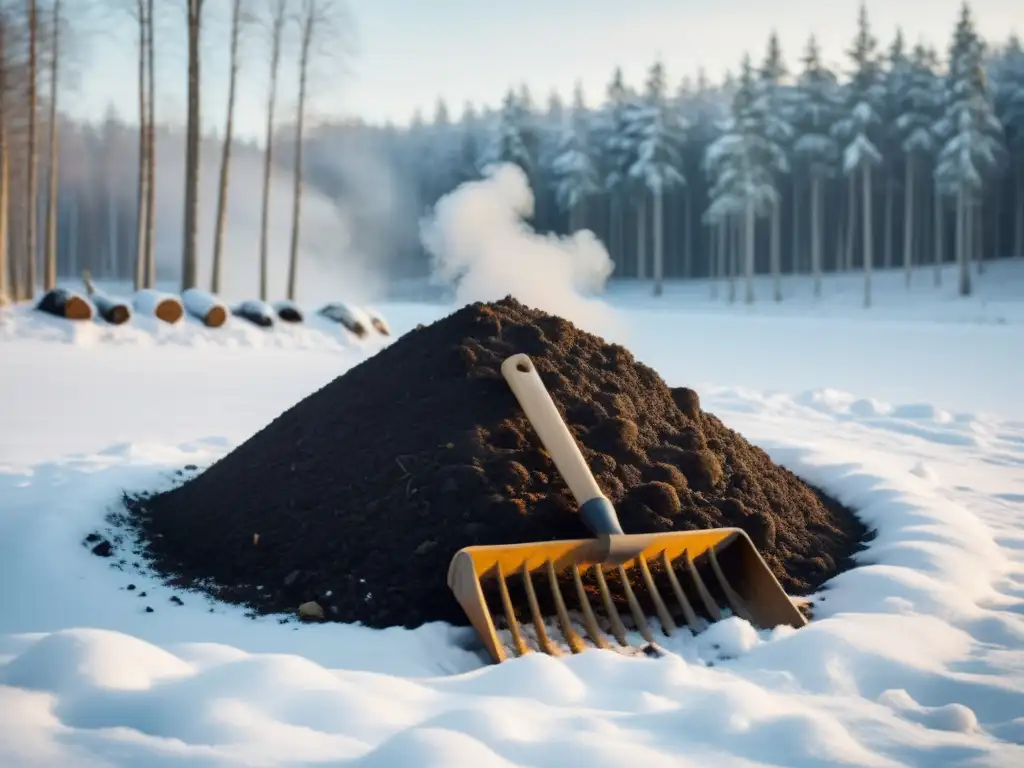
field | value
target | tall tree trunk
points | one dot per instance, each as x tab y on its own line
961	244
796	260
50	247
1018	216
851	221
908	220
887	225
735	229
12	291
189	266
688	225
641	237
268	153
293	250
225	159
749	235
659	242
869	240
715	257
776	249
31	244
939	229
72	233
150	273
978	232
140	243
816	234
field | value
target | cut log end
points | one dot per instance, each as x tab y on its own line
77	308
119	314
169	310
380	326
60	302
289	315
215	317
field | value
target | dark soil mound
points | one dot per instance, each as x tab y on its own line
359	495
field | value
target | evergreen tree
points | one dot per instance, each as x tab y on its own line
973	138
574	170
742	163
816	107
859	131
618	152
917	107
895	82
776	109
657	132
1009	102
508	144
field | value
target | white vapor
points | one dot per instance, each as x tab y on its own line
480	244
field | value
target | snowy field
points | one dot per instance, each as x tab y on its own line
911	413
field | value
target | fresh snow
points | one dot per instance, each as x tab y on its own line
910	413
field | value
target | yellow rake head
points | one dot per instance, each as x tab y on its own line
587	585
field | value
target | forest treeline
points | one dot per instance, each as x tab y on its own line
910	155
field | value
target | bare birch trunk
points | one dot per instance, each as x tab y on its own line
140	243
308	23
275	59
225	159
188	253
50	235
150	239
31	243
12	291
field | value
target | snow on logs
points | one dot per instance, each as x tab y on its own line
288	311
340	312
163	306
256	312
114	311
60	302
205	306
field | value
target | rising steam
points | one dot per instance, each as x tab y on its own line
481	245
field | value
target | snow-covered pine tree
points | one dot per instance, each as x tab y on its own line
468	163
573	168
816	106
741	163
442	161
973	138
616	155
858	131
657	132
704	111
1009	101
508	144
917	112
777	114
895	81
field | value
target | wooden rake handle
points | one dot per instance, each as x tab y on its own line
595	509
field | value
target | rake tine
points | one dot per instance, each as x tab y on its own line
634	607
709	602
677	588
736	603
667	625
575	642
618	628
538	621
589	619
510	616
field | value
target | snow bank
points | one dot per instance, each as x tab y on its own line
913	657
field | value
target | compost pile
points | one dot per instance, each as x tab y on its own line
358	496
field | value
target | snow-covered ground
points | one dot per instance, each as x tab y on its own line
911	413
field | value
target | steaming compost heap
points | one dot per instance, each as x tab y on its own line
358	496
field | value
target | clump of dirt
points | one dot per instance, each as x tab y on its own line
358	496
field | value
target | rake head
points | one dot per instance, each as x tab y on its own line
600	591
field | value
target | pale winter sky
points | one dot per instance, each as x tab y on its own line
410	52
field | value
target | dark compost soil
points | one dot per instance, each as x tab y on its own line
359	495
